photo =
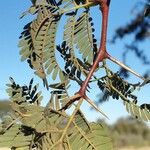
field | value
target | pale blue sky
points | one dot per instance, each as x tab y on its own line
11	27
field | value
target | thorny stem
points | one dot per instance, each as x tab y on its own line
77	97
102	54
71	100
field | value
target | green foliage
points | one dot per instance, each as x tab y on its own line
38	38
116	87
32	126
21	94
77	32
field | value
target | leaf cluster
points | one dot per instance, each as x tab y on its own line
113	85
38	40
52	129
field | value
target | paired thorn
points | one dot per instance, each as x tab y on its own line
125	67
95	107
77	97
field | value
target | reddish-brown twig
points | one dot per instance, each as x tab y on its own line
101	55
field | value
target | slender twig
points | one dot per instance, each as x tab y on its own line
84	136
8	126
77	7
21	114
120	94
68	124
51	131
69	146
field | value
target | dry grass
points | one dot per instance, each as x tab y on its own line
132	148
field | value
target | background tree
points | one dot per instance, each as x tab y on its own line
128	132
139	29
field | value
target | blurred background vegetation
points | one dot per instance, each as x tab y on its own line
128	132
137	32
